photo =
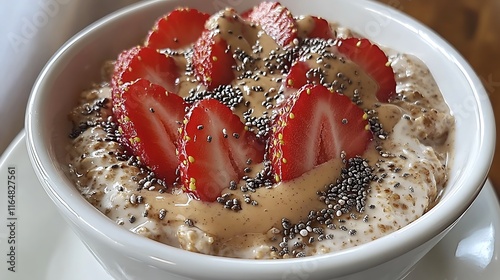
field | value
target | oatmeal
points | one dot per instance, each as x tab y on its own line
345	200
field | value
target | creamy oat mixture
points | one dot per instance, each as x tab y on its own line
327	209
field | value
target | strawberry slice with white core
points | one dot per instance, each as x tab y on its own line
215	149
147	63
315	126
373	61
142	62
212	61
177	30
276	20
151	118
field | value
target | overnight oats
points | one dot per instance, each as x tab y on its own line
261	135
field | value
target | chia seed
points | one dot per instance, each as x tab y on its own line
131	219
189	222
162	214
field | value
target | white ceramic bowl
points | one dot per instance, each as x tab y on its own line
128	256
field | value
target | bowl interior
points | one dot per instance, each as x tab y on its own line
77	65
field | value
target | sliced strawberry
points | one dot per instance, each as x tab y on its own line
298	75
121	65
147	63
374	61
212	62
314	126
321	29
215	148
178	29
149	125
142	62
276	20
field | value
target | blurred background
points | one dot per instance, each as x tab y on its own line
473	28
32	30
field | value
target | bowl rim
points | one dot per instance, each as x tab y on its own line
408	238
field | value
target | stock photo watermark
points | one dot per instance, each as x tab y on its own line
11	219
31	25
491	84
466	106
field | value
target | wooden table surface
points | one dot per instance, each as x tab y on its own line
473	28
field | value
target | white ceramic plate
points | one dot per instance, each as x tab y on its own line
46	249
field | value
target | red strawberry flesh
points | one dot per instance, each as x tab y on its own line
177	30
212	63
147	63
215	148
315	126
321	29
298	75
142	62
372	60
149	124
276	20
